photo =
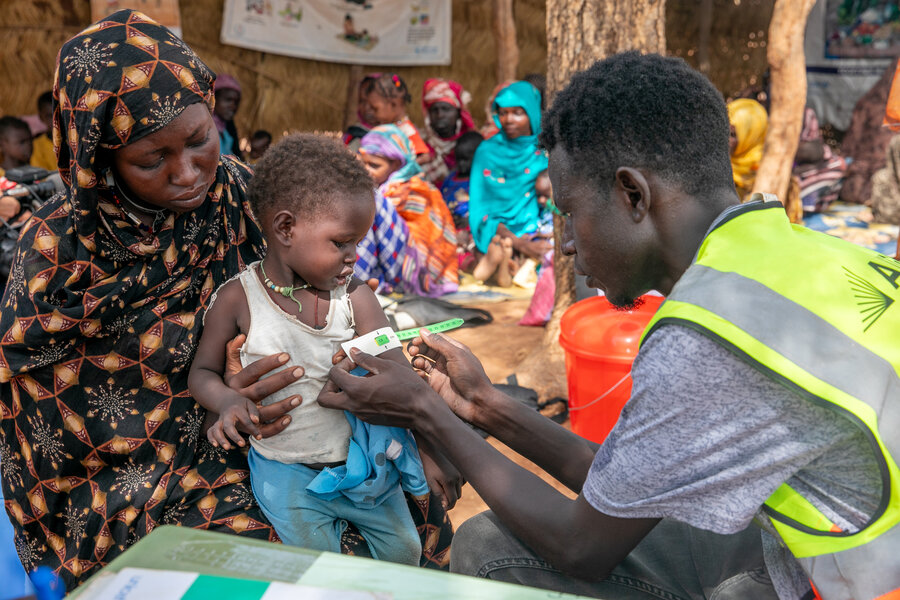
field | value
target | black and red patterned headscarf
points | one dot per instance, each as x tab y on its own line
99	321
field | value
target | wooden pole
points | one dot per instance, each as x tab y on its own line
351	106
503	24
787	65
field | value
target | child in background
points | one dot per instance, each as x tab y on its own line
383	98
314	202
259	143
455	191
15	144
42	155
544	192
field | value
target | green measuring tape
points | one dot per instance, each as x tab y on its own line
408	334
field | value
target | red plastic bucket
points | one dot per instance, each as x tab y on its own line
600	344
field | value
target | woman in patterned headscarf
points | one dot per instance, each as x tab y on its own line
447	117
430	265
99	437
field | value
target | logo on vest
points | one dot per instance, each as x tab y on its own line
872	302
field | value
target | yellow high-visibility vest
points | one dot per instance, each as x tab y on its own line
821	316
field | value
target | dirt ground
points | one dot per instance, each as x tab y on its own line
500	346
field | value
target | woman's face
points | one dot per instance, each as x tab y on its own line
174	167
514	121
379	167
443	117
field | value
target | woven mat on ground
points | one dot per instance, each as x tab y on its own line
471	291
853	222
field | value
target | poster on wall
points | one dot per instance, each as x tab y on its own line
849	44
371	32
862	29
164	12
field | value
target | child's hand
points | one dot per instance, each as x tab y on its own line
224	430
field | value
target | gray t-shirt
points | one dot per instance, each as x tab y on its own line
705	439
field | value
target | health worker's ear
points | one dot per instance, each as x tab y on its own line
634	189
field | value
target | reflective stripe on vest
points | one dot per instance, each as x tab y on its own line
816	314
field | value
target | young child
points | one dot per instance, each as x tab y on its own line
384	97
42	155
314	202
455	188
15	143
544	192
455	191
259	143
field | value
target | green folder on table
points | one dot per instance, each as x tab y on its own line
221	555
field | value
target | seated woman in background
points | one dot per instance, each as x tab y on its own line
447	119
818	170
228	100
430	266
749	123
503	210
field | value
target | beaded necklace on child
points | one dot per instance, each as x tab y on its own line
288	292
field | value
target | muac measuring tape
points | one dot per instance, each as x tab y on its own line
384	339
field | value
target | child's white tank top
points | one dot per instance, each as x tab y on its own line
315	434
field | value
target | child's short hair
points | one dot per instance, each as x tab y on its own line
305	173
388	85
468	143
10	123
261	134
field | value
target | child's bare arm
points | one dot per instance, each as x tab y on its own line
369	316
206	383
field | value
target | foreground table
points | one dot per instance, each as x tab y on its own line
183	549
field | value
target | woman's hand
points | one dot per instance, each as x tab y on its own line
452	371
246	382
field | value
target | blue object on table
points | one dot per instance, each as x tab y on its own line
47	585
15	581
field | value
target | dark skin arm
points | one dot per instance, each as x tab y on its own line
442	476
456	375
534	248
548	522
233	405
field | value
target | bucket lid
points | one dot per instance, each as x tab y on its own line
595	329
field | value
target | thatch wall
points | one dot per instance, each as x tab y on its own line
283	93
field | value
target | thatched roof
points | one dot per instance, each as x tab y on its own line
283	93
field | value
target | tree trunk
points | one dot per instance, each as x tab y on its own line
787	65
579	33
503	23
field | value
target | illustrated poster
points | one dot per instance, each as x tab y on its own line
371	32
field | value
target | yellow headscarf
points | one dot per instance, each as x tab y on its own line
750	122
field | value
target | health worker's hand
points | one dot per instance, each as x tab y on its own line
390	395
452	371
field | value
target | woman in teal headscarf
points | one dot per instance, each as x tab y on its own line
503	207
